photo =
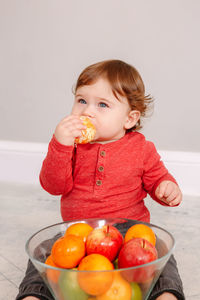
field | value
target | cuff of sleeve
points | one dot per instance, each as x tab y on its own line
36	290
164	285
60	147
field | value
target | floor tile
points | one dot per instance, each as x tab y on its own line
8	290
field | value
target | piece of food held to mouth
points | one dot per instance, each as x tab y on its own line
88	134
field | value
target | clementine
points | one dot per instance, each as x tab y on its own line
68	251
52	275
120	289
79	229
88	134
95	283
140	231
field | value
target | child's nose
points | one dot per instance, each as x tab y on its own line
89	111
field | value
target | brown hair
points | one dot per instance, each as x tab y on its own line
124	80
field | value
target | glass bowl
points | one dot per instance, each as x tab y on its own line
71	284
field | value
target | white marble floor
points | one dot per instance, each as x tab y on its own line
24	209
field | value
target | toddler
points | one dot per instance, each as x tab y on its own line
110	176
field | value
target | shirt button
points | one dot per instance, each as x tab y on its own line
101	168
98	182
103	153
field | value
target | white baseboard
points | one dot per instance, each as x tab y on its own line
21	163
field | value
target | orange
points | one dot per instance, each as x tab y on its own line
88	134
140	231
52	275
119	290
68	251
95	283
79	229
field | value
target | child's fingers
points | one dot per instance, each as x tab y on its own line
160	191
70	126
169	193
74	126
68	129
176	201
170	190
72	120
171	196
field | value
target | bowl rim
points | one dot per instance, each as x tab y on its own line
98	219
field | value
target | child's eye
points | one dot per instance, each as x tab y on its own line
82	101
102	104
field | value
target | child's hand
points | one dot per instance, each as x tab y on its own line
68	129
169	192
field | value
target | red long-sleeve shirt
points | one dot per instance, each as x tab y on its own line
104	180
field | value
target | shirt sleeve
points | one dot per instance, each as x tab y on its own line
56	172
154	171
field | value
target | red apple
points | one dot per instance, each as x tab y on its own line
136	252
106	240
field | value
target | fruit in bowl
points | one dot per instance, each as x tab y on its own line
140	231
69	286
79	229
106	240
119	289
95	283
68	251
95	276
136	252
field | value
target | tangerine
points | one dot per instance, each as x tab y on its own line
140	231
88	134
79	229
120	289
95	283
68	251
52	275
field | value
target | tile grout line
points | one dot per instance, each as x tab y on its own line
11	263
9	280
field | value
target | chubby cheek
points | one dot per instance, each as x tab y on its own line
98	134
104	133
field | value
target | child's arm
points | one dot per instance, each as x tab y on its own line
157	180
56	173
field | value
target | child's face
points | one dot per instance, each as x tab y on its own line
110	116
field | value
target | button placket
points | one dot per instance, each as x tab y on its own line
100	168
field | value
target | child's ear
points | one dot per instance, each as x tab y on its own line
132	119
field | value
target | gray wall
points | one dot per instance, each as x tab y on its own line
45	44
